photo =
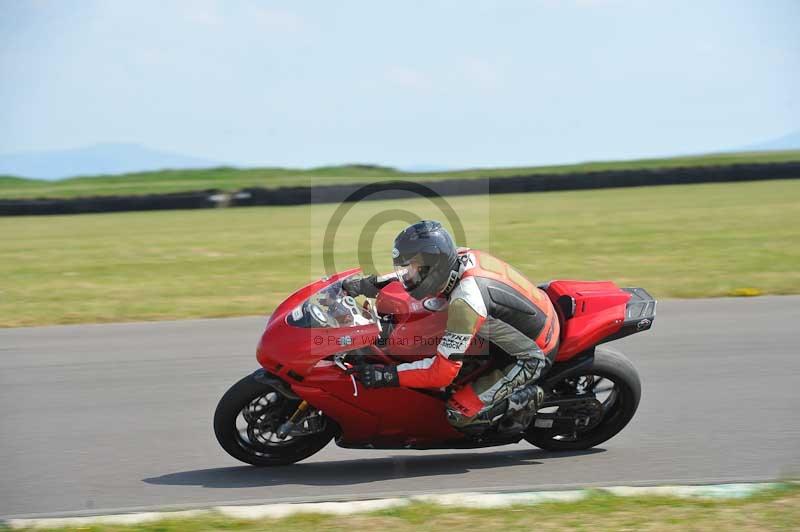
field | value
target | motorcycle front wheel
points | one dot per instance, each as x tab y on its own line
606	396
247	419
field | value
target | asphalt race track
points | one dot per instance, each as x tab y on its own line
111	417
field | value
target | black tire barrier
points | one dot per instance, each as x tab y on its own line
97	204
527	183
452	187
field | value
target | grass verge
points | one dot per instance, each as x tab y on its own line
229	179
777	509
676	241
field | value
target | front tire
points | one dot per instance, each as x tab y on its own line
247	417
612	413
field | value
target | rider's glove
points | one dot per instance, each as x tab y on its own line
377	375
361	286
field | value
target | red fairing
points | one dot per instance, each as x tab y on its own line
299	348
302	357
599	313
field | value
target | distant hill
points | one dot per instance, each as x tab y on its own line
786	142
100	159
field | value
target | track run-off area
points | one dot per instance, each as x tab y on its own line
106	418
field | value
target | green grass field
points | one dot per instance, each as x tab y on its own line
777	509
229	179
676	241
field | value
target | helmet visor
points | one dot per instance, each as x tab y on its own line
412	272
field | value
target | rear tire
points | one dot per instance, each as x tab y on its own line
611	365
252	394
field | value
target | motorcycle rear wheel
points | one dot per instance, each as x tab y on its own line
247	417
618	407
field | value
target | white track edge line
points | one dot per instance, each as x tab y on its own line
470	499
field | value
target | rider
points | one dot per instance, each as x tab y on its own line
488	301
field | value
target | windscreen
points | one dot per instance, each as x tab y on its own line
330	307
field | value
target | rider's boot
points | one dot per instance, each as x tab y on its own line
478	424
514	414
522	407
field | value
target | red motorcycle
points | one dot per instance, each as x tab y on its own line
305	394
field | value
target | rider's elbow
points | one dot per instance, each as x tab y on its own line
441	373
440	381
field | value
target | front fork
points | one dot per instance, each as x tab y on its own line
287	426
281	387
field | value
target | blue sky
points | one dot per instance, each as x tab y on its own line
446	83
